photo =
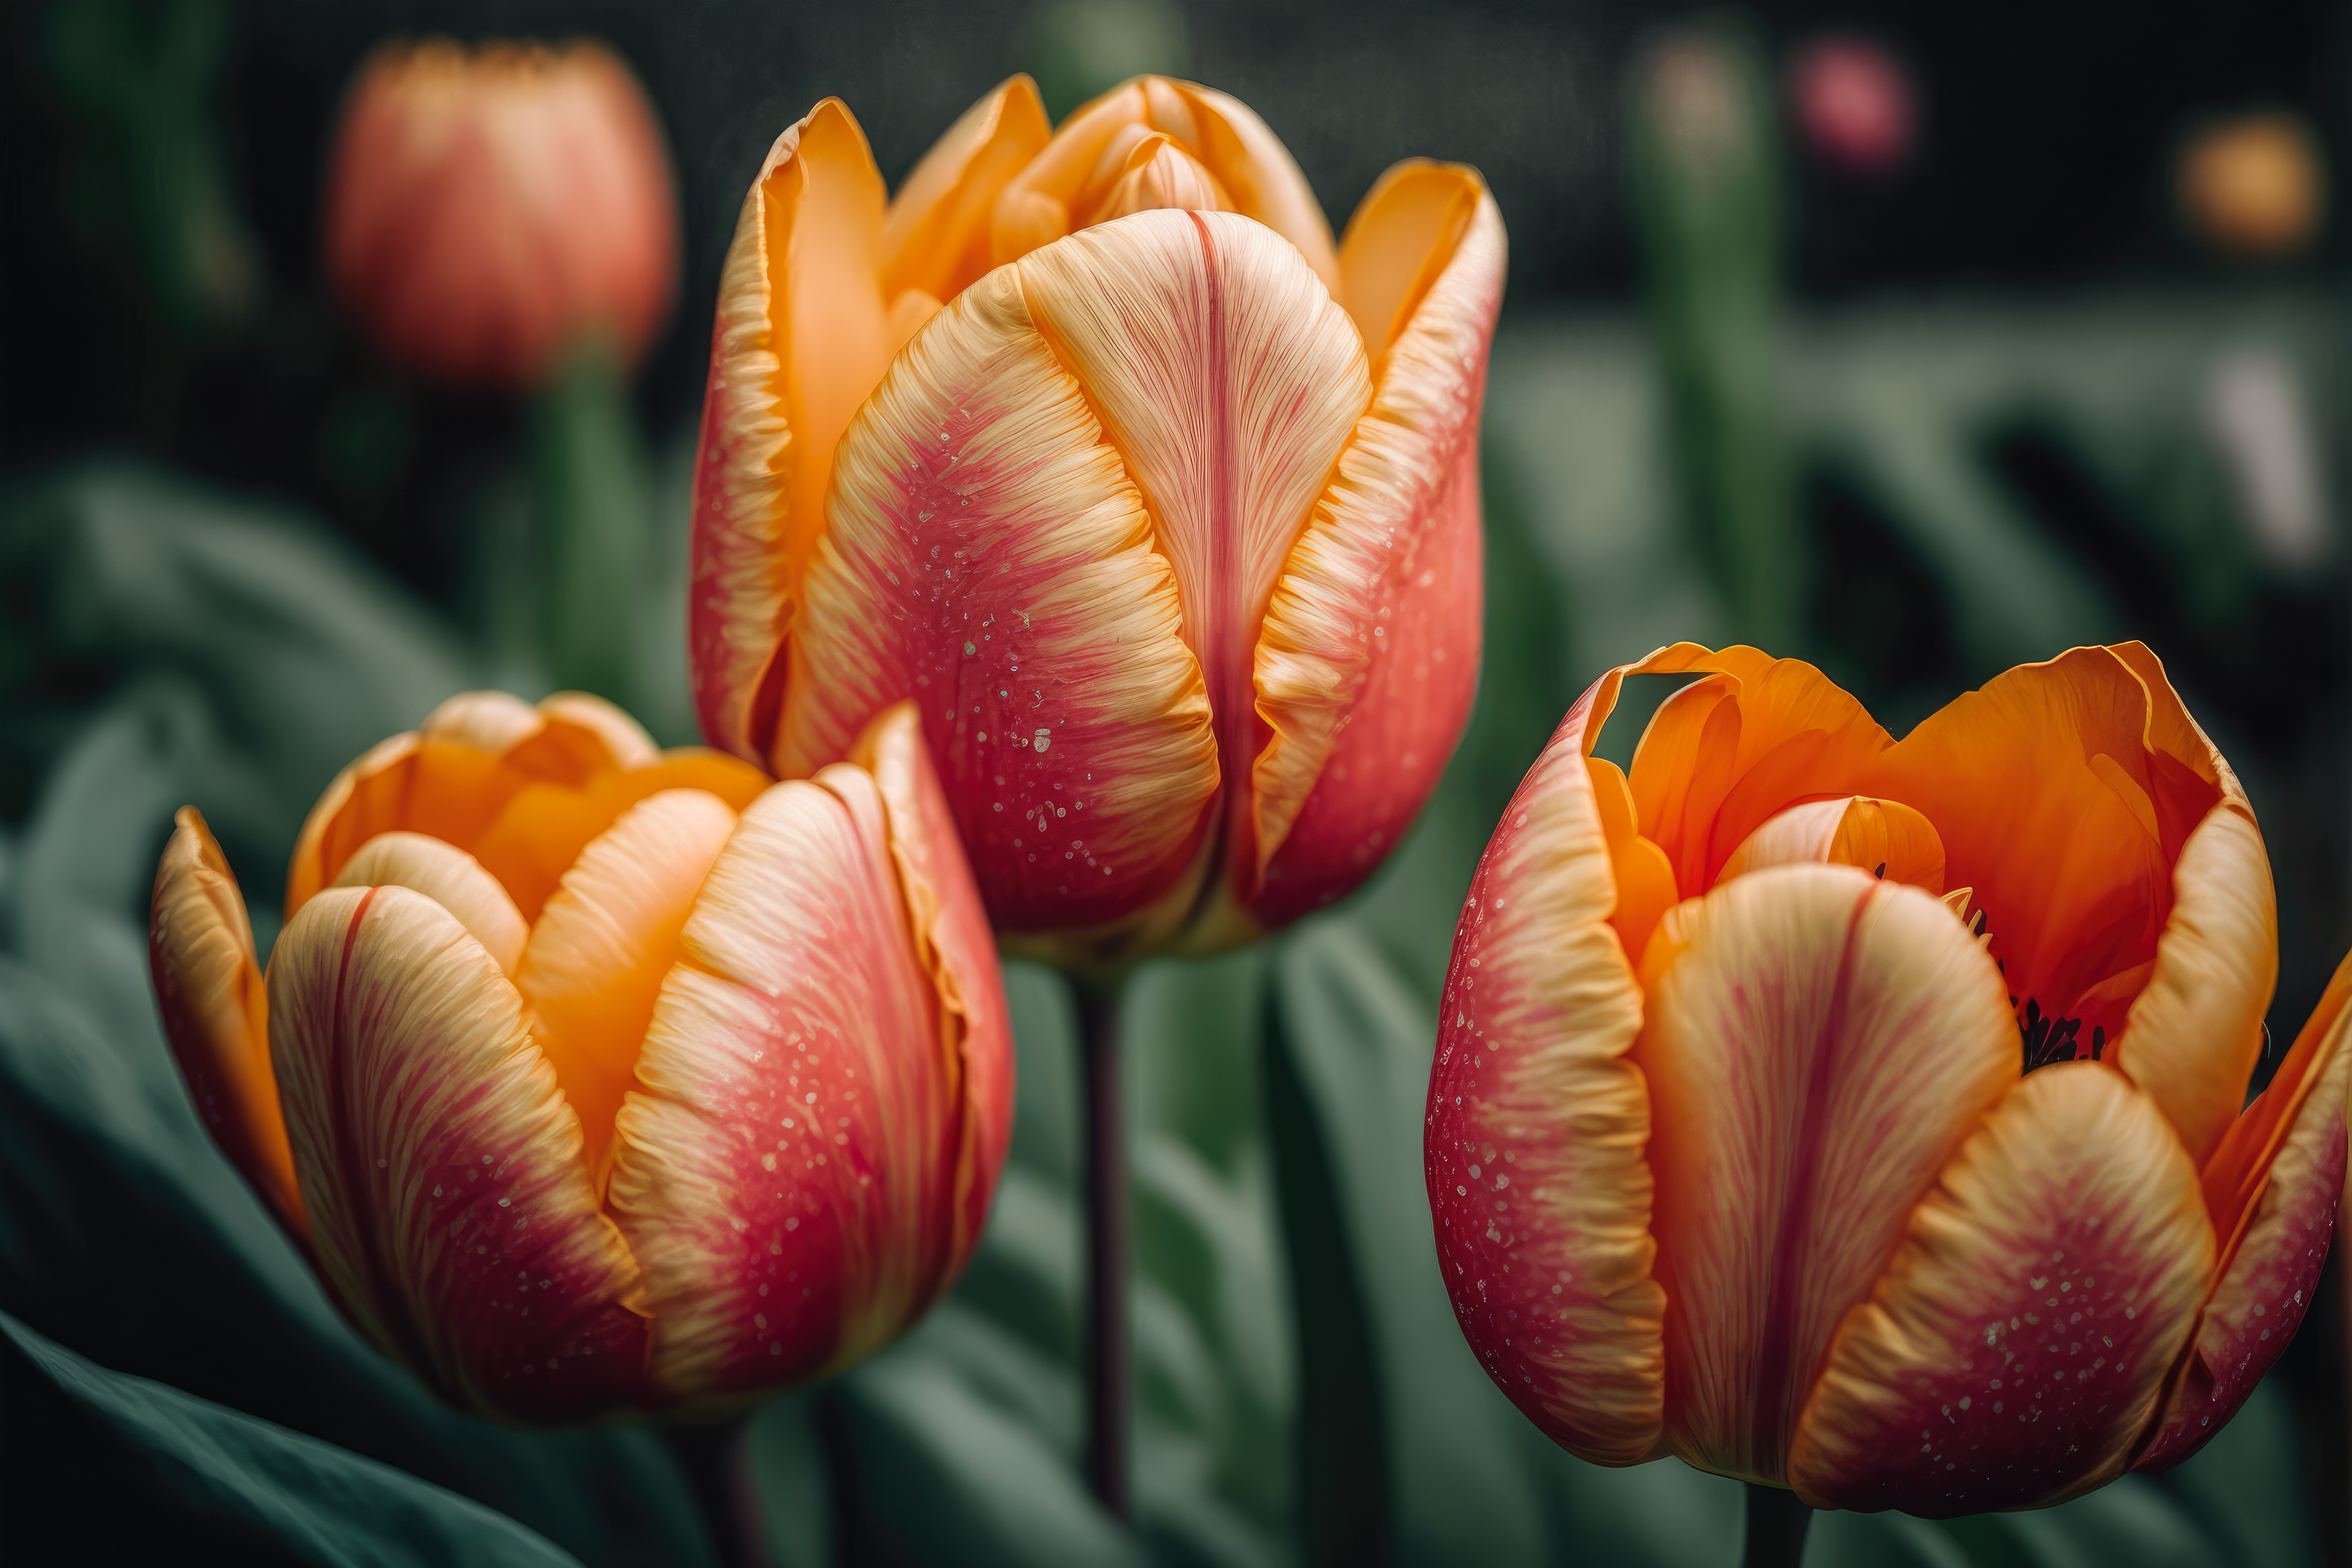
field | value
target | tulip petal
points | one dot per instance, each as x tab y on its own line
544	827
800	337
785	1166
1005	579
1231	383
450	1210
953	941
407	783
1723	755
2114	859
1402	240
2014	1349
1885	837
623	740
936	237
1264	181
492	721
605	939
451	878
1537	1121
215	1011
2271	1189
1368	660
1819	1044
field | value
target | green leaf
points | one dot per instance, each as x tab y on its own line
106	1467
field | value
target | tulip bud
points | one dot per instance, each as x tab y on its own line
1163	510
592	1076
1868	1117
486	207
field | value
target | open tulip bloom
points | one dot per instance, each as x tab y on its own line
1868	1117
1163	509
594	1077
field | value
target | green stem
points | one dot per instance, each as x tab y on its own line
716	1460
1109	1377
1777	1522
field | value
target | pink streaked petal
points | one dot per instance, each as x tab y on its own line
786	1165
1368	660
1537	1121
1265	182
1003	577
215	1011
1819	1044
953	941
2268	1279
2016	1346
450	878
450	1208
1231	382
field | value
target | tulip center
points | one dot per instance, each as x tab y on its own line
2049	1039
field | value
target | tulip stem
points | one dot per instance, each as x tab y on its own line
1777	1522
1109	1380
716	1460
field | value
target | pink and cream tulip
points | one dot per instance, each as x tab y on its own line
592	1076
1161	508
487	206
1865	1117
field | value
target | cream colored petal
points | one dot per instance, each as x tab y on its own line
1885	837
450	1210
2014	1349
490	722
989	557
626	744
605	941
1533	1147
1818	1046
450	878
1366	661
1231	383
215	1011
2195	1032
786	1167
1250	161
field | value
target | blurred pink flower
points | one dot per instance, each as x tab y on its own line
1855	103
484	206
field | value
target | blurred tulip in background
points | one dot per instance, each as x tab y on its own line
486	207
1163	509
1863	1117
2253	188
1854	104
590	1076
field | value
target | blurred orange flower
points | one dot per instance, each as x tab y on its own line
485	207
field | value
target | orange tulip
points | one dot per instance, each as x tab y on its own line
1163	509
1865	1118
592	1075
488	207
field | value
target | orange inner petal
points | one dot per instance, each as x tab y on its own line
605	939
1646	881
1401	238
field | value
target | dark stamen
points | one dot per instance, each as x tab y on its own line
2049	1040
1881	873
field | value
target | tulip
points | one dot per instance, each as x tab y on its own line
1863	1117
1854	104
592	1077
488	207
1163	509
2256	187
